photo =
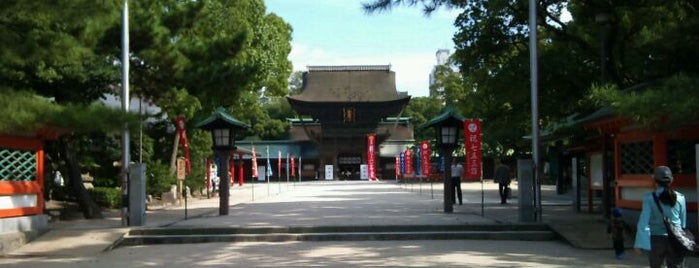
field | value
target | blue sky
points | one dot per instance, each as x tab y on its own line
339	32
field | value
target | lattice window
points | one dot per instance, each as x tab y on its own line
681	156
637	158
17	165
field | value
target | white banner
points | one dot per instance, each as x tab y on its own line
329	172
364	171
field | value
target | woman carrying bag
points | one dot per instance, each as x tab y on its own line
651	232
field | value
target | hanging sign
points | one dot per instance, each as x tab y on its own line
472	133
371	155
425	157
409	161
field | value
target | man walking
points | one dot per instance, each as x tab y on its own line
502	177
456	171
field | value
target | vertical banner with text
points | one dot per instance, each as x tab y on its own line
371	155
254	163
279	164
397	166
425	157
409	161
472	142
293	166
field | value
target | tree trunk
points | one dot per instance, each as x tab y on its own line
87	204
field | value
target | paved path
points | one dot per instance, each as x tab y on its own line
80	243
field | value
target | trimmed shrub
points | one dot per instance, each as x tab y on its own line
159	178
108	197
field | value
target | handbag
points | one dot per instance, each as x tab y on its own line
680	239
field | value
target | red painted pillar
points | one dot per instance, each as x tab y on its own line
240	169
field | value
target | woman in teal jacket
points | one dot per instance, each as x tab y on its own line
651	233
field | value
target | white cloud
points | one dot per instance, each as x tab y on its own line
412	69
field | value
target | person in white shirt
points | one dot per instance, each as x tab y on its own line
456	170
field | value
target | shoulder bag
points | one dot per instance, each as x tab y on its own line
680	239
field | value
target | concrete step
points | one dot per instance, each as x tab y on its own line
149	236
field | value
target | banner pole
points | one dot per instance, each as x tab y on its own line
482	193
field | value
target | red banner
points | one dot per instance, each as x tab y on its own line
279	164
371	155
425	158
240	173
397	166
179	124
254	164
231	167
293	166
472	141
409	161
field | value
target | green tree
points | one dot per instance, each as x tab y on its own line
186	56
50	48
654	105
214	49
296	83
643	41
421	110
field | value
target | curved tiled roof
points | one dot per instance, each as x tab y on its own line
361	83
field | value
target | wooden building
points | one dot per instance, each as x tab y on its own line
346	103
22	215
338	107
612	159
635	151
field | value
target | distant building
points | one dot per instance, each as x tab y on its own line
442	56
338	107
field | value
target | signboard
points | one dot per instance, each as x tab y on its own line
409	161
181	168
261	172
329	172
472	140
364	171
425	157
371	155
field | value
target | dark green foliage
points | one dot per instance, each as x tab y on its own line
420	110
186	57
107	197
158	178
660	105
25	112
644	41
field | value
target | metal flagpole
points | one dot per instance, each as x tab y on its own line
482	193
253	165
269	170
533	61
125	150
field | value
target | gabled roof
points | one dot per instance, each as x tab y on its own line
449	115
221	118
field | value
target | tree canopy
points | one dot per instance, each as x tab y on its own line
58	58
623	44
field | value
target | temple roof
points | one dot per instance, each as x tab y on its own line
360	83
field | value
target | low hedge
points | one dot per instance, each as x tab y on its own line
108	197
